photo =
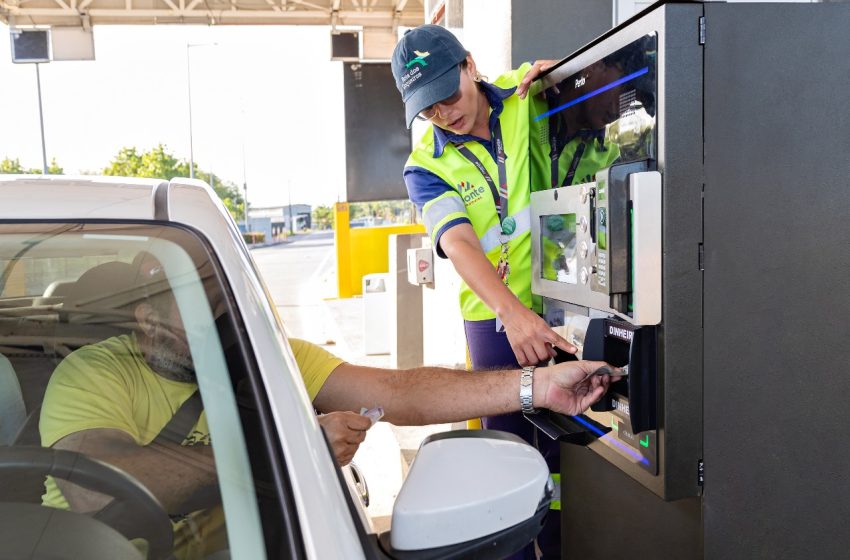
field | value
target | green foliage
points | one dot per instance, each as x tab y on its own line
385	211
159	163
323	217
54	169
14	166
254	237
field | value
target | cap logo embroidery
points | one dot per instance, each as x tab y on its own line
420	59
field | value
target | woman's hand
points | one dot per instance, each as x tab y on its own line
530	337
346	431
537	68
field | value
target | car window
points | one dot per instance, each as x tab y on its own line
127	405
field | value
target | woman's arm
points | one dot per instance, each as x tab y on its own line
530	337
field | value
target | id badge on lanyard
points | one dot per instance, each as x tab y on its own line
500	197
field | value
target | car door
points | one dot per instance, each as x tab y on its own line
76	306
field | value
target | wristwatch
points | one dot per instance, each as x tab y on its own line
526	397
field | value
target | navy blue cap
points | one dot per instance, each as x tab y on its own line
425	67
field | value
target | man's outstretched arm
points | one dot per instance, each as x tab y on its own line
438	395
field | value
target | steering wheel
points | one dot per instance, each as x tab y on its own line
134	512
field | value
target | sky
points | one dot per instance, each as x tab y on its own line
272	89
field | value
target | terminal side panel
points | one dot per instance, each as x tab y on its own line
777	263
606	514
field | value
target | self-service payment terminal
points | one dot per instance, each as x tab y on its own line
689	209
596	230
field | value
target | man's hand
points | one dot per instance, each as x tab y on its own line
531	339
346	431
571	387
537	68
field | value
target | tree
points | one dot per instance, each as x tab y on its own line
323	217
53	168
9	165
385	211
159	163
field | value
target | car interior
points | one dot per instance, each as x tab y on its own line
59	292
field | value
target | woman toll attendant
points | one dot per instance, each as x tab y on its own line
469	177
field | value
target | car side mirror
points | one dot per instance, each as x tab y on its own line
469	491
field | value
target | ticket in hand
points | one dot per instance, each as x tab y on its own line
374	414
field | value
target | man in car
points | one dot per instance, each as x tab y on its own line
117	400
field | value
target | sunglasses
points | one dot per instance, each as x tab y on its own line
431	111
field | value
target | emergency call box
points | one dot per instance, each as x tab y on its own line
420	266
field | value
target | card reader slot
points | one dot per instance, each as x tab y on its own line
620	343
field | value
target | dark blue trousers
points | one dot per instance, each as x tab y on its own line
489	349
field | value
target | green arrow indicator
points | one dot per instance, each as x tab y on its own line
644	441
615	425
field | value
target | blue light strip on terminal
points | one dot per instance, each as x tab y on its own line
587	96
610	439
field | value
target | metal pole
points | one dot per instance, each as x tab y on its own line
41	121
245	188
189	89
289	195
244	180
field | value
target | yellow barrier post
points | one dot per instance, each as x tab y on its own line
370	250
342	242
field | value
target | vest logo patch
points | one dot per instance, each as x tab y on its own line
470	193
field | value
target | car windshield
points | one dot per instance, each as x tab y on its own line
124	400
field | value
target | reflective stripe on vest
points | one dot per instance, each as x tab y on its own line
436	212
493	237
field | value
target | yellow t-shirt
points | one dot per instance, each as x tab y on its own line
316	364
109	385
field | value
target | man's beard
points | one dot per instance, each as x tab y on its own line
170	358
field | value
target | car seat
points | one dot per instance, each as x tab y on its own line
13	412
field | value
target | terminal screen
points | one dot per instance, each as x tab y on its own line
558	248
601	115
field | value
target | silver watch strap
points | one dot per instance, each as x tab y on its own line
526	395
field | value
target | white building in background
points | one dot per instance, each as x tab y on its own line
284	219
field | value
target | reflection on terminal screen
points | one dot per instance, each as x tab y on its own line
601	115
558	248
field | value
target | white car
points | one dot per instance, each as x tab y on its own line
71	252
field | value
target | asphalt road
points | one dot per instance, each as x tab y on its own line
301	278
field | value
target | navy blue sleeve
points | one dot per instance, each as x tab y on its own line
424	186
